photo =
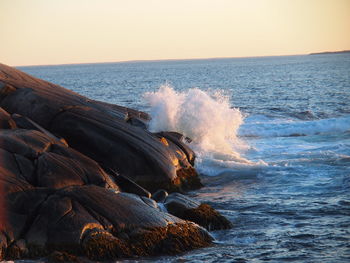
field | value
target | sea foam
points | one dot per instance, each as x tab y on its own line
208	119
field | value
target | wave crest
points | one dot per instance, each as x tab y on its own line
207	119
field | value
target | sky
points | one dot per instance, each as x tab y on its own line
42	32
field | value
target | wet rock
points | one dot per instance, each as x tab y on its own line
128	150
3	244
179	140
206	216
160	195
136	122
17	250
99	244
188	209
150	202
177	203
58	256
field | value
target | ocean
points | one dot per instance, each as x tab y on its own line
272	139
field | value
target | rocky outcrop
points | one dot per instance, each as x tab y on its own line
95	222
76	178
56	201
113	136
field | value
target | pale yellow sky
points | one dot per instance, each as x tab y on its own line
34	32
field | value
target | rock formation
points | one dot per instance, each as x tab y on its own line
76	177
109	134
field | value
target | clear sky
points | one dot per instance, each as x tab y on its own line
34	32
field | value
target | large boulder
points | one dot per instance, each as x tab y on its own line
60	203
41	161
112	135
55	200
70	170
91	221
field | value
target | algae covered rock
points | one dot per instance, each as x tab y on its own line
187	208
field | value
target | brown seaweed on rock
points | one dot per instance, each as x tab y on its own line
204	215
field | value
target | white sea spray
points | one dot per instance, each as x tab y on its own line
208	119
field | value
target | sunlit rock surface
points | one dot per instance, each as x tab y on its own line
54	198
113	136
70	170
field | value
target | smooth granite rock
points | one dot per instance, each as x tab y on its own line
59	203
76	177
92	221
112	135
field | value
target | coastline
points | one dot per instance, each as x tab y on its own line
64	173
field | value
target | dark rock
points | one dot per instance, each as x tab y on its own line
126	149
6	89
43	161
85	220
95	222
99	244
13	252
60	203
136	122
3	242
59	256
6	122
206	216
177	204
149	202
110	134
25	123
188	209
126	185
160	195
17	250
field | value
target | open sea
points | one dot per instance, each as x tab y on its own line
272	138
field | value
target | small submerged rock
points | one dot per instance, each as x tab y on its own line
160	195
204	215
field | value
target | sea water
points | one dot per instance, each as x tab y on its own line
272	139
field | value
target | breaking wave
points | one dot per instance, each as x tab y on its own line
208	119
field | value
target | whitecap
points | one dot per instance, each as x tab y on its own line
208	119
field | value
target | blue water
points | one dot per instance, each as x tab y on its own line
292	204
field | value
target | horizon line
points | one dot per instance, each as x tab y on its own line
173	59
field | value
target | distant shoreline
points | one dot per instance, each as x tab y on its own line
177	59
153	60
330	52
